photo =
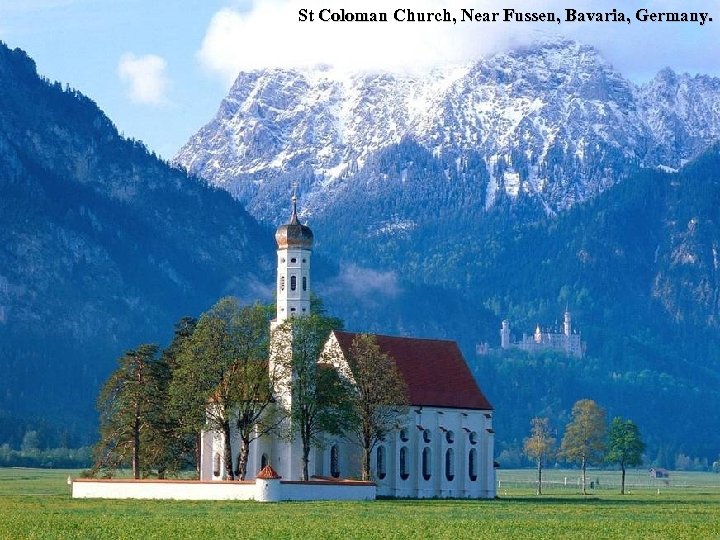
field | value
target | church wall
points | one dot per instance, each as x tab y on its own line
435	423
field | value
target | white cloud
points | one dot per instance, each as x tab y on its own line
146	76
363	284
267	33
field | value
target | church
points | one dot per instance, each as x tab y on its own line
442	446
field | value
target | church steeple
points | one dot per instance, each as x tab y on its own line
294	242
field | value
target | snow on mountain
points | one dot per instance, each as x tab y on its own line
553	122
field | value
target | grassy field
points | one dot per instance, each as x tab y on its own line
36	504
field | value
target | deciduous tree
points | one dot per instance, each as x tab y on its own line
379	395
625	447
584	440
539	446
222	376
318	402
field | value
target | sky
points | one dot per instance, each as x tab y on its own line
159	68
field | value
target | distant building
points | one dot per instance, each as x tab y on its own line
563	340
656	472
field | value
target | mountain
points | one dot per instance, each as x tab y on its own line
639	267
511	187
103	246
553	123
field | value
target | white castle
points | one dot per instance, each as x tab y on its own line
567	340
442	447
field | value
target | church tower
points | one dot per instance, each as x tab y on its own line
294	247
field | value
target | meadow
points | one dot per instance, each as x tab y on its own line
36	503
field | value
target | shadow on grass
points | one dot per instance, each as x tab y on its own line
619	500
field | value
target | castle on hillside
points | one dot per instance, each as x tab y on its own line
564	340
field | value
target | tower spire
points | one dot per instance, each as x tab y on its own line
294	242
294	218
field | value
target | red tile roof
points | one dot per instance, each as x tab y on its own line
434	370
268	473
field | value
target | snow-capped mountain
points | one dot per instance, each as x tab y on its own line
554	122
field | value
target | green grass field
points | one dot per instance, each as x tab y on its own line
36	504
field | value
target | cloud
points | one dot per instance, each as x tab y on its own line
363	284
267	33
146	76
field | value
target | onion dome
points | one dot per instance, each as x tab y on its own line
294	234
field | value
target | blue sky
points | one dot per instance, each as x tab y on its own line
159	68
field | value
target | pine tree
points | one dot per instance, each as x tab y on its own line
130	405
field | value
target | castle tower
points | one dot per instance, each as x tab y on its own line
294	247
505	334
567	326
538	334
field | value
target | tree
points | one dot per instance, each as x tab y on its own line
129	403
318	403
625	447
252	393
379	395
584	440
222	376
175	447
539	446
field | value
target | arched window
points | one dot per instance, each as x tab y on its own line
304	283
282	283
450	437
293	283
427	436
404	471
404	435
216	464
293	260
473	437
472	464
380	458
427	463
334	461
264	461
449	464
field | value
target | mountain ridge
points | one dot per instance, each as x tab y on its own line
552	121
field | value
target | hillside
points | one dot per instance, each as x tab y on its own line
102	246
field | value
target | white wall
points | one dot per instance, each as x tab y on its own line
162	489
438	421
217	491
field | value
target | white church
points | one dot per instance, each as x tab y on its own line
442	447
